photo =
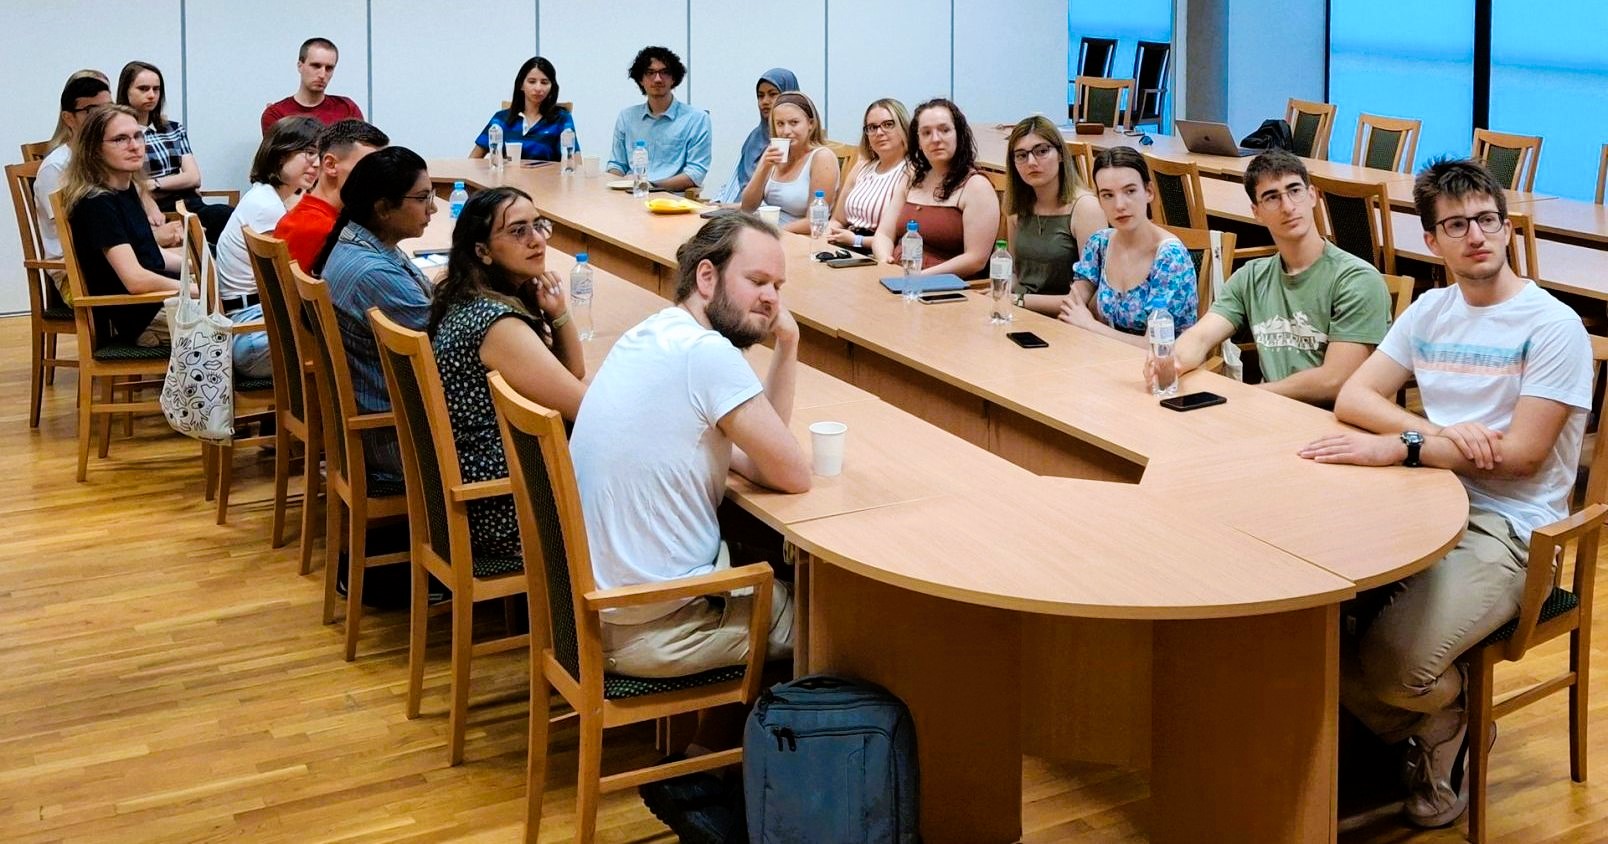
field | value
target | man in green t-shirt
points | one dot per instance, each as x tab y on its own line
1315	310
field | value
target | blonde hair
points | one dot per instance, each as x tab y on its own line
62	133
87	173
901	117
803	103
1019	195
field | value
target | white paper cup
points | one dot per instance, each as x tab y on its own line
782	144
826	443
591	166
770	213
515	152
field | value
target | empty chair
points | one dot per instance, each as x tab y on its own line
49	317
1310	123
1512	159
1521	246
1356	216
1096	56
1177	201
1151	62
1385	143
1103	100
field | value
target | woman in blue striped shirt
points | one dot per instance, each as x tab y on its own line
533	118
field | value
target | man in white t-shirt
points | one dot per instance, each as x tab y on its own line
673	407
1504	370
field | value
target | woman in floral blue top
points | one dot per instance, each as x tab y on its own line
533	119
1133	268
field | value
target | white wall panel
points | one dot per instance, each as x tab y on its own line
728	71
1010	63
592	57
1259	88
242	56
437	78
48	42
876	50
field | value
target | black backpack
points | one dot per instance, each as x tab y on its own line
1272	134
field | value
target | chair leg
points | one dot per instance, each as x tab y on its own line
418	629
225	480
332	554
108	392
356	568
209	472
86	421
36	379
276	534
50	352
536	756
309	516
587	778
1580	664
463	628
1478	695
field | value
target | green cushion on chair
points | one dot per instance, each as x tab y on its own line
247	384
129	351
63	313
493	566
1557	603
617	686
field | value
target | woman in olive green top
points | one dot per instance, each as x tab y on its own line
1051	214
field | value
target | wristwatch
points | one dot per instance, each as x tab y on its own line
1414	442
1021	300
859	241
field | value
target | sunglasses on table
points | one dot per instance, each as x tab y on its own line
839	255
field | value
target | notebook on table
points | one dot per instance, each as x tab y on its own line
925	283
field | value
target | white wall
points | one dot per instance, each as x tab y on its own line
1275	50
437	71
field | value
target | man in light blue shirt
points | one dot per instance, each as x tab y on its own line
677	134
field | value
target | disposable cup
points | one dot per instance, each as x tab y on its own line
770	213
826	443
783	145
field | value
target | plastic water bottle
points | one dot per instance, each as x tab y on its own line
458	198
820	213
566	146
910	248
581	296
494	149
1000	276
639	170
1159	328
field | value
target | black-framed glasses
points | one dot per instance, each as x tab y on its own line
524	232
886	127
1456	227
426	197
1273	199
1040	152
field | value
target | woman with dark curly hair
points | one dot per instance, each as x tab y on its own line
953	204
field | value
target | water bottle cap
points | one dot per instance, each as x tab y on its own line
457	185
910	226
580	257
999	244
820	194
641	143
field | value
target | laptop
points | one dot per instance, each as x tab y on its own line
1208	138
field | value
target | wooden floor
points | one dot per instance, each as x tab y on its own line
167	679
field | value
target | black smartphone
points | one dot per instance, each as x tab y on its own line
940	298
1027	340
425	253
1192	401
854	261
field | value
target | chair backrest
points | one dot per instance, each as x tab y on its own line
1597	468
847	155
552	532
82	311
1082	161
1602	175
197	243
1401	289
1512	159
1199	244
41	293
1176	200
1356	216
429	453
1096	56
999	180
1311	124
1104	100
337	397
35	151
1521	247
270	263
1385	143
1150	61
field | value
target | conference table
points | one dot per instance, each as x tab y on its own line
1035	556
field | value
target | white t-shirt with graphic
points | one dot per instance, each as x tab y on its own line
1473	364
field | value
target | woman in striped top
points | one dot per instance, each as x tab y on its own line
171	173
868	186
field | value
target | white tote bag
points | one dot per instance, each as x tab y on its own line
1233	367
198	392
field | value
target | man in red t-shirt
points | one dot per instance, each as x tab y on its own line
306	226
316	65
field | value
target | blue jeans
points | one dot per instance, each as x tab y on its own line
251	350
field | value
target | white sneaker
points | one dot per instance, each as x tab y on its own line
1437	788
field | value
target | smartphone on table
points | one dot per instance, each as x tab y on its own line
1027	340
940	298
1192	401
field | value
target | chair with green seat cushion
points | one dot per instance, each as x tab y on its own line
48	315
438	521
566	622
1311	124
1176	198
1512	159
1356	216
1385	143
1198	242
1103	100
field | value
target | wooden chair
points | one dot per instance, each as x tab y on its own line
1401	289
1602	175
1103	100
1096	56
1546	611
999	181
106	360
1151	60
1177	201
35	151
1311	123
1356	216
566	652
438	520
1385	143
48	316
1512	159
296	414
350	494
1199	243
847	155
253	397
1082	161
1522	255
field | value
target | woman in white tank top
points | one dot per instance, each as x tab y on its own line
789	180
868	186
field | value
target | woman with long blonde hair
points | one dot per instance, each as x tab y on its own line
881	169
1052	213
789	180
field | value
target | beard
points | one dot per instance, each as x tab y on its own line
725	317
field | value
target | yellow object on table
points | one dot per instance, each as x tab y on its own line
672	205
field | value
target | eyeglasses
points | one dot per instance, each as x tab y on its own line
1274	199
126	140
1040	152
665	72
423	196
886	127
525	232
1489	222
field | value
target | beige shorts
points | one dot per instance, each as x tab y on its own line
705	634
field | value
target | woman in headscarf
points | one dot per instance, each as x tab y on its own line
772	83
